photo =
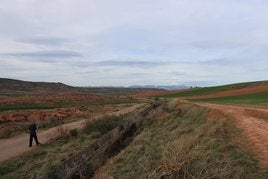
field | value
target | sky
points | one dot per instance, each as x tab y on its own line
134	42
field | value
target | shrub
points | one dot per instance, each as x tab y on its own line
95	134
62	132
5	133
73	132
103	125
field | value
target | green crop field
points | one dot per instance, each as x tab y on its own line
252	99
26	107
211	90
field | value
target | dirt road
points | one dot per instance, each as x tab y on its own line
254	123
17	145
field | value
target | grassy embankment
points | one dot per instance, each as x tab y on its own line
184	143
48	156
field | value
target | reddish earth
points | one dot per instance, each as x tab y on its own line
234	92
44	115
13	123
40	115
54	99
254	124
17	145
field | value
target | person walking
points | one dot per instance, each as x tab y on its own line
32	130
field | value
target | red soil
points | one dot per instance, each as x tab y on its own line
43	115
53	99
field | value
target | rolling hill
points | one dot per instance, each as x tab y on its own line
19	88
12	85
222	91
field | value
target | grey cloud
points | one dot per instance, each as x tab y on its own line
49	41
134	75
174	73
208	41
45	54
81	64
89	72
136	63
234	61
216	44
220	61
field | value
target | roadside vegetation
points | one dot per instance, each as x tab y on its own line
64	144
102	126
184	143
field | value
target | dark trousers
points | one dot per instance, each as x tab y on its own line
33	135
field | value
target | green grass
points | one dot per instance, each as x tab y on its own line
17	95
210	90
184	144
42	159
251	99
26	107
21	107
104	125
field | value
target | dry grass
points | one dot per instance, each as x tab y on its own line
5	133
61	133
45	158
103	125
183	144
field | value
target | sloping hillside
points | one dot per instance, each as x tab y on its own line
11	85
18	88
221	91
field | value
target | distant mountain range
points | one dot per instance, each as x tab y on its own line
8	86
19	85
164	87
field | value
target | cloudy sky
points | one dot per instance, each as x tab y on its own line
134	42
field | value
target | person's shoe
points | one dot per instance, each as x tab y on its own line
30	146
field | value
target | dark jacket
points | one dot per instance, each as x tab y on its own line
32	128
